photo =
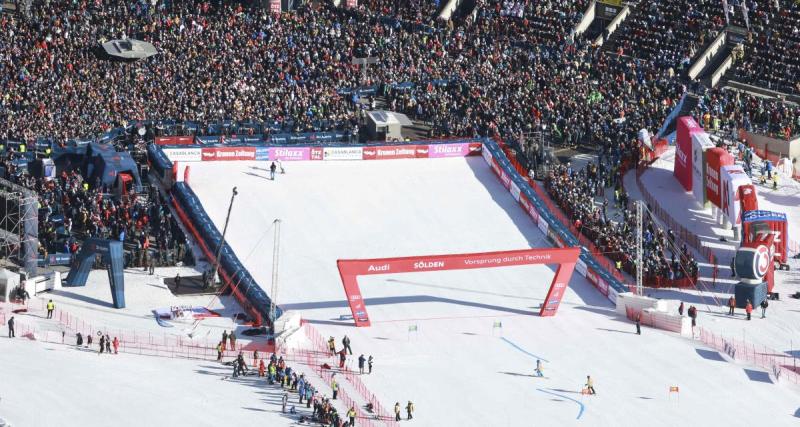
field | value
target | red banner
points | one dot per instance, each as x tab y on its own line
174	140
715	158
683	151
317	153
228	153
349	270
389	152
275	6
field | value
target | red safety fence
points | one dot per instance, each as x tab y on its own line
321	352
130	341
783	367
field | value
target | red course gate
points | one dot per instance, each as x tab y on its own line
350	269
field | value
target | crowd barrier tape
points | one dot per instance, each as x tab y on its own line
783	367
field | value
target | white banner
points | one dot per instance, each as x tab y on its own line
487	155
580	266
543	225
342	153
183	154
514	191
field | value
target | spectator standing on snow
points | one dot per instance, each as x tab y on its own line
177	282
240	362
224	339
346	344
342	358
335	388
590	385
639	324
232	339
50	307
731	305
272	169
78	339
397	411
116	345
361	360
764	305
108	344
748	309
220	347
369	364
409	410
89	339
102	343
284	401
332	346
680	309
11	327
692	312
352	415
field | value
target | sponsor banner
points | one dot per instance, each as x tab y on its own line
731	178
701	143
591	276
449	150
422	151
390	152
580	266
275	6
174	140
612	295
475	147
514	191
316	153
183	154
262	154
487	155
715	158
529	208
496	167
683	151
290	153
602	286
543	225
228	153
342	153
504	178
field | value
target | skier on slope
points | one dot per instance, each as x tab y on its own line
272	169
590	385
539	371
284	400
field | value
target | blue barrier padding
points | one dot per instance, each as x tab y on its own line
228	261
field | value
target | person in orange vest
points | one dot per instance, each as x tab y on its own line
748	309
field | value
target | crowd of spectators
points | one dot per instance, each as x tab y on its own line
669	33
771	58
727	110
512	70
581	195
71	210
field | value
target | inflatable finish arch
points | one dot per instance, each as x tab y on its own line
350	269
111	251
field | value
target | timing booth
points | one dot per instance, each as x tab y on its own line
386	125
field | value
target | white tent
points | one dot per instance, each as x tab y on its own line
8	281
